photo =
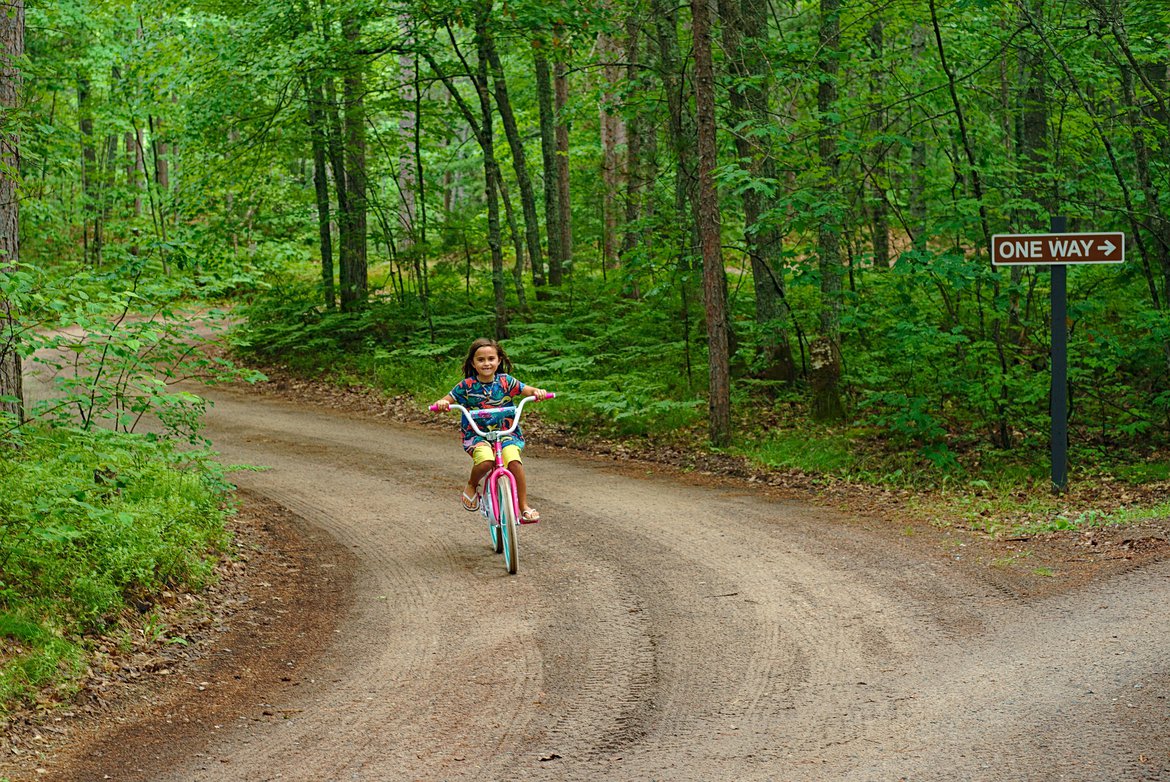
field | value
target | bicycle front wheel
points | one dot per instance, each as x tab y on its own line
508	520
492	514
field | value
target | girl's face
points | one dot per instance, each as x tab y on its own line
485	361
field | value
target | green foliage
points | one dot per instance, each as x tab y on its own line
115	350
89	520
609	369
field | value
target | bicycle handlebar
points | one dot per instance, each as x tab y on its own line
488	412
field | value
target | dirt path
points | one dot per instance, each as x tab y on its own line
657	630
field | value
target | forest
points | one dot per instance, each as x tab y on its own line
761	227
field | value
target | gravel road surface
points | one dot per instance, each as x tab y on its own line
662	629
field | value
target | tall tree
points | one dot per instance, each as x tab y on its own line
877	175
825	353
561	99
744	34
314	103
519	163
354	288
682	130
11	52
492	178
613	140
709	225
548	150
482	129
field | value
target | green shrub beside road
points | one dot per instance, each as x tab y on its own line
90	521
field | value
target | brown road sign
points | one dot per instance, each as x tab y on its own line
1023	249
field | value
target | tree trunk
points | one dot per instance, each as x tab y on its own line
132	143
89	167
1032	153
353	292
682	130
636	153
335	146
517	240
1143	131
407	128
561	93
744	26
878	179
918	150
484	134
314	102
612	139
158	213
825	361
548	149
519	164
11	51
708	221
491	175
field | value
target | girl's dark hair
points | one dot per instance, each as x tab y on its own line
505	366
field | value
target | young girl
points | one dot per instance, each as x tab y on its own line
487	383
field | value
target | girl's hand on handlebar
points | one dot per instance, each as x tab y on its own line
441	405
540	394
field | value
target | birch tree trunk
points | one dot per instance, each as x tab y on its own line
407	126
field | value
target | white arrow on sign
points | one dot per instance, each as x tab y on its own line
1108	247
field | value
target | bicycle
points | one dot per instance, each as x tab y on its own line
499	503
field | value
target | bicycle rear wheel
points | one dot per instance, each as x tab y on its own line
508	520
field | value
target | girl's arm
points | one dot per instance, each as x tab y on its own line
444	403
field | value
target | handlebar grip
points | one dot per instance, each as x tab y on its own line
550	395
434	408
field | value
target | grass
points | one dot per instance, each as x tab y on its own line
89	520
827	454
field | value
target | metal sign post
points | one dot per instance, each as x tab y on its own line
1059	389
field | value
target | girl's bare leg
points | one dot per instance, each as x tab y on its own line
477	474
517	470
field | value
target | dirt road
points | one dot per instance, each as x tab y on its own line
660	630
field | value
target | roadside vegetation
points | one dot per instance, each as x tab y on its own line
109	494
94	525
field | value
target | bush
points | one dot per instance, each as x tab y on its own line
89	520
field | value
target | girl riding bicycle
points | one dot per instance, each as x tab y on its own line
487	384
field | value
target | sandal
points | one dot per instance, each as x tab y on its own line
470	504
529	516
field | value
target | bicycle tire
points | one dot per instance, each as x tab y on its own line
508	522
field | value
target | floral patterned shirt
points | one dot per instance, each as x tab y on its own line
474	395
